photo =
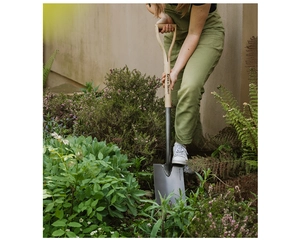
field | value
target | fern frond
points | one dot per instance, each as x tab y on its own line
245	120
47	67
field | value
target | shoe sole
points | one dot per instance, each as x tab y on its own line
179	161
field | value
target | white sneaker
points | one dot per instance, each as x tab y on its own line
179	154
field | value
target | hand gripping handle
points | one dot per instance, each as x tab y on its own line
166	57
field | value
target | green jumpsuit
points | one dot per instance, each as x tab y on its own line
189	87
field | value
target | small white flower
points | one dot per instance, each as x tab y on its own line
65	141
80	220
93	232
88	223
67	230
55	135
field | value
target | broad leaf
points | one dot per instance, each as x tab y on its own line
71	234
58	233
74	224
49	207
99	209
59	223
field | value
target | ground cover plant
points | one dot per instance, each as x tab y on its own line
87	186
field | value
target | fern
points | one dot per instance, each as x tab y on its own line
245	121
47	68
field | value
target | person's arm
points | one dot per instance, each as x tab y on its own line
197	21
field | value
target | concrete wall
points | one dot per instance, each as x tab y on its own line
93	38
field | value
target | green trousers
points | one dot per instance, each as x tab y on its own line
189	87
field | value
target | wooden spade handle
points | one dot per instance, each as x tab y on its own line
166	57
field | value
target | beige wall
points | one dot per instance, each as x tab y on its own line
93	38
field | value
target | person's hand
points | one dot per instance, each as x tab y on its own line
173	79
168	21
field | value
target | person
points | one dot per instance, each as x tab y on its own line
196	51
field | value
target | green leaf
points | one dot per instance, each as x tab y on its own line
59	213
74	224
46	194
105	186
115	235
199	176
94	203
88	202
103	163
110	192
114	199
99	217
96	187
90	228
49	207
58	233
138	193
67	205
60	200
59	223
89	211
71	234
81	205
155	228
121	195
121	208
99	209
100	156
132	209
85	181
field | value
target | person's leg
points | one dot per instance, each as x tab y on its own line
196	73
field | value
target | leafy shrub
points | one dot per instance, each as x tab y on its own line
59	111
87	187
129	114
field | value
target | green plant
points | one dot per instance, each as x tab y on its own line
47	67
60	110
200	214
89	88
87	187
221	215
50	125
166	219
245	121
128	113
